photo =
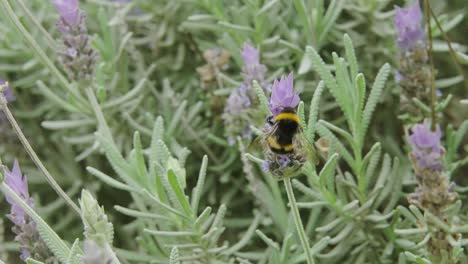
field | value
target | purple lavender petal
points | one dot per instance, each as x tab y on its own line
426	147
283	95
69	11
283	160
266	166
18	183
408	23
250	55
8	93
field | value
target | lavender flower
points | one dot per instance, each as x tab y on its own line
414	74
76	54
426	147
253	70
283	95
69	11
18	183
408	25
31	244
238	111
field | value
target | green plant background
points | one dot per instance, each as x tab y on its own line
161	138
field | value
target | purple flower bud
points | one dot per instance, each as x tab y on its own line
237	101
253	70
426	147
408	23
69	11
283	95
284	160
398	76
250	55
7	92
266	166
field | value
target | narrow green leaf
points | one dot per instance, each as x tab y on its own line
198	190
29	261
139	214
261	97
320	245
328	78
360	83
179	193
73	257
301	115
110	181
201	220
118	163
314	111
373	99
340	132
246	238
303	15
327	174
350	55
267	240
140	159
176	118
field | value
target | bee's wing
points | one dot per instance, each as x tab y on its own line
301	142
260	141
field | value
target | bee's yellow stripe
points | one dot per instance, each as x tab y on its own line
273	143
288	147
287	116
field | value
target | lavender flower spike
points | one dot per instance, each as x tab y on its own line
408	23
76	53
283	95
426	147
18	183
27	235
69	11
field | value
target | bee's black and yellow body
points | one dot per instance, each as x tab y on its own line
286	126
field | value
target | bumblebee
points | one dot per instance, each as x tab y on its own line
284	128
284	145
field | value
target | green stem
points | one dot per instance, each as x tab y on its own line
34	156
10	14
297	219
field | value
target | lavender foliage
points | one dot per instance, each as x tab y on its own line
153	111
